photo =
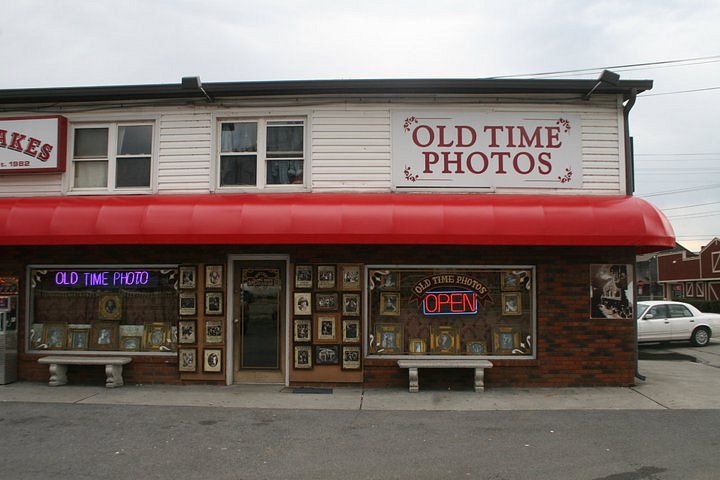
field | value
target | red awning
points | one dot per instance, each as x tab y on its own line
343	218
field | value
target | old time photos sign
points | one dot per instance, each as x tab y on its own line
477	149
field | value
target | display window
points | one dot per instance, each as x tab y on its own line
461	311
112	308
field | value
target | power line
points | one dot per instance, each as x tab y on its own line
644	95
681	190
713	59
691	206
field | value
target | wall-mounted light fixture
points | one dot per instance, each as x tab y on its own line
611	78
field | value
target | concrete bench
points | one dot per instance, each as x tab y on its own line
413	364
59	364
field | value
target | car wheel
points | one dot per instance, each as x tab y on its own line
700	337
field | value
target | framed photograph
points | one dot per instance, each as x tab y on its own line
389	303
78	337
506	339
187	303
214	276
130	343
390	281
187	359
388	338
302	303
476	348
213	303
511	303
326	328
157	337
212	360
351	304
213	331
351	330
351	357
327	354
326	302
303	357
417	346
350	277
302	330
109	307
444	339
611	291
509	280
4	303
104	336
326	276
188	277
187	331
303	276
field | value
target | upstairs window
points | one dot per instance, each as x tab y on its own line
262	153
112	157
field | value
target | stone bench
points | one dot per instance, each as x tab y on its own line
59	364
413	364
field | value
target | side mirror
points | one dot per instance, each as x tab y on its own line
649	316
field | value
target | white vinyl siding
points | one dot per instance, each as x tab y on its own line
348	145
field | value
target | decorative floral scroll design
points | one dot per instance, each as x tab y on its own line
567	177
409	121
376	278
409	175
525	347
564	123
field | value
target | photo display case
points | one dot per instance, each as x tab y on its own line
451	311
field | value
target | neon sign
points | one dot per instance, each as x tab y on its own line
456	302
74	278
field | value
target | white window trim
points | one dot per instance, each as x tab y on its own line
112	126
261	185
715	261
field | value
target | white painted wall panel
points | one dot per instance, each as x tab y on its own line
184	160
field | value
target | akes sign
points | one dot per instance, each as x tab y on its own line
33	144
486	150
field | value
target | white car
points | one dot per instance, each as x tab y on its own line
662	321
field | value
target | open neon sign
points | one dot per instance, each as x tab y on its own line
456	302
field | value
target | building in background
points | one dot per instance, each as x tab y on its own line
317	232
684	275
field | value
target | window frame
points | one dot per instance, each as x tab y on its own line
262	159
111	158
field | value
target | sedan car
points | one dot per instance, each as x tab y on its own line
662	321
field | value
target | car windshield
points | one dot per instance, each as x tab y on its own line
642	308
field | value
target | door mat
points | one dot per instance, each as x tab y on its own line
312	390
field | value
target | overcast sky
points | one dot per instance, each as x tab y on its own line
49	43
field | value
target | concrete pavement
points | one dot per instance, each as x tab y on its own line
668	385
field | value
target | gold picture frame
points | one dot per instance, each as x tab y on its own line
351	304
326	302
326	277
130	343
326	328
302	330
187	303
351	357
417	346
187	331
350	277
303	357
388	338
302	303
187	359
214	276
104	336
214	303
506	339
110	307
444	339
476	348
351	330
213	360
511	303
390	303
303	276
187	277
156	337
78	337
214	331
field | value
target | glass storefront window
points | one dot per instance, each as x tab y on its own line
475	311
113	308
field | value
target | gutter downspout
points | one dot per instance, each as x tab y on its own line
630	189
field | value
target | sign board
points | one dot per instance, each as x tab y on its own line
473	149
33	144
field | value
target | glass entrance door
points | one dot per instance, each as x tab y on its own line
258	312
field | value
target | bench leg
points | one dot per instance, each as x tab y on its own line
479	379
114	376
58	375
413	378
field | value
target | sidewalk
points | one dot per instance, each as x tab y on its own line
668	385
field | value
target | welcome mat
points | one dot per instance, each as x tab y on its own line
312	390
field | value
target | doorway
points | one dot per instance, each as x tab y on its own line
258	321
